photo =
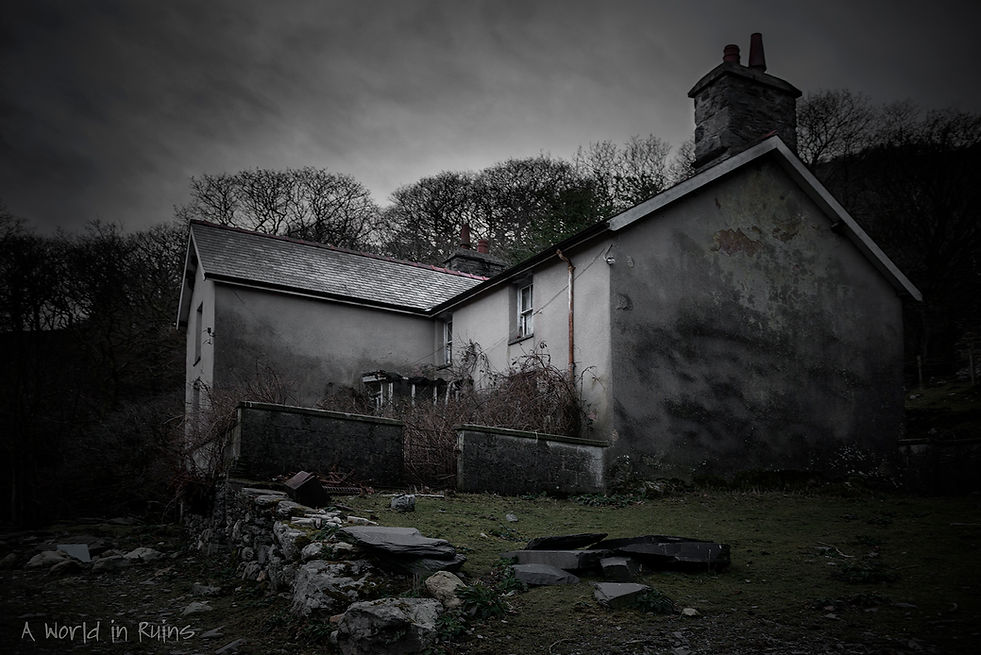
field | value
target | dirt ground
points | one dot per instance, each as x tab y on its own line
795	585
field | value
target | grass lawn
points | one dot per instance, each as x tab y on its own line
810	572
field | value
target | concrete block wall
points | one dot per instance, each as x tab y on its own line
513	462
272	440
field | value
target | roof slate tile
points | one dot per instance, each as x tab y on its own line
232	253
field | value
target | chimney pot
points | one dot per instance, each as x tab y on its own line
465	236
757	59
482	246
730	54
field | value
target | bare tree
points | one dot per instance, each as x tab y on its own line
626	174
306	203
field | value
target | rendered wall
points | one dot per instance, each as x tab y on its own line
488	321
316	347
200	369
511	462
275	440
748	335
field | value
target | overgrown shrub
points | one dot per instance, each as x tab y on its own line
530	395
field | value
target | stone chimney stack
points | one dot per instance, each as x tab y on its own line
736	106
477	262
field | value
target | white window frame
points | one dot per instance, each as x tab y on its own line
448	341
198	332
525	310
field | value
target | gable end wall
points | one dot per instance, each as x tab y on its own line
749	336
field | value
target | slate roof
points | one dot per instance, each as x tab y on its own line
236	255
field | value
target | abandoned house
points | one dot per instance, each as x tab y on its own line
739	320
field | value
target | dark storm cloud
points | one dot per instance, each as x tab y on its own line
108	108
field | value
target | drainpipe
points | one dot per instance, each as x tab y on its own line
572	298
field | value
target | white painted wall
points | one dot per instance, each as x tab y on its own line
490	321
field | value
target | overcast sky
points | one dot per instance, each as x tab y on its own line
108	108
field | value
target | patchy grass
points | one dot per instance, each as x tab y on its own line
914	557
944	410
813	573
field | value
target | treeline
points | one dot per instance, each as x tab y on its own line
519	206
92	391
93	368
912	180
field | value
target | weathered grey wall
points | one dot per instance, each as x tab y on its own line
748	335
513	462
316	347
274	440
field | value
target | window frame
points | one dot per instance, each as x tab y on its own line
524	316
447	346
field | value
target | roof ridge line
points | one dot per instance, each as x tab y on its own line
316	244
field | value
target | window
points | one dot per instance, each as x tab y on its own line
448	341
198	329
525	305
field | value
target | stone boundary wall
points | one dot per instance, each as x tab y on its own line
271	440
513	462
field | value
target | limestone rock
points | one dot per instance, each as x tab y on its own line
401	626
142	554
46	559
542	575
328	587
287	508
290	540
196	607
204	590
618	594
404	503
66	566
314	550
111	563
443	585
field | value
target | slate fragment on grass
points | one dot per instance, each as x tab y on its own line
618	594
661	551
540	575
565	542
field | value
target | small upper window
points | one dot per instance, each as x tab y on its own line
198	330
525	304
448	341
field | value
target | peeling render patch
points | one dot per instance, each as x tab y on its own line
730	242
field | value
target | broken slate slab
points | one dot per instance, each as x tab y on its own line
570	560
399	541
426	566
565	542
671	552
540	575
619	569
78	551
618	594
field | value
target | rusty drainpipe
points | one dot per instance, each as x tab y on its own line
572	299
